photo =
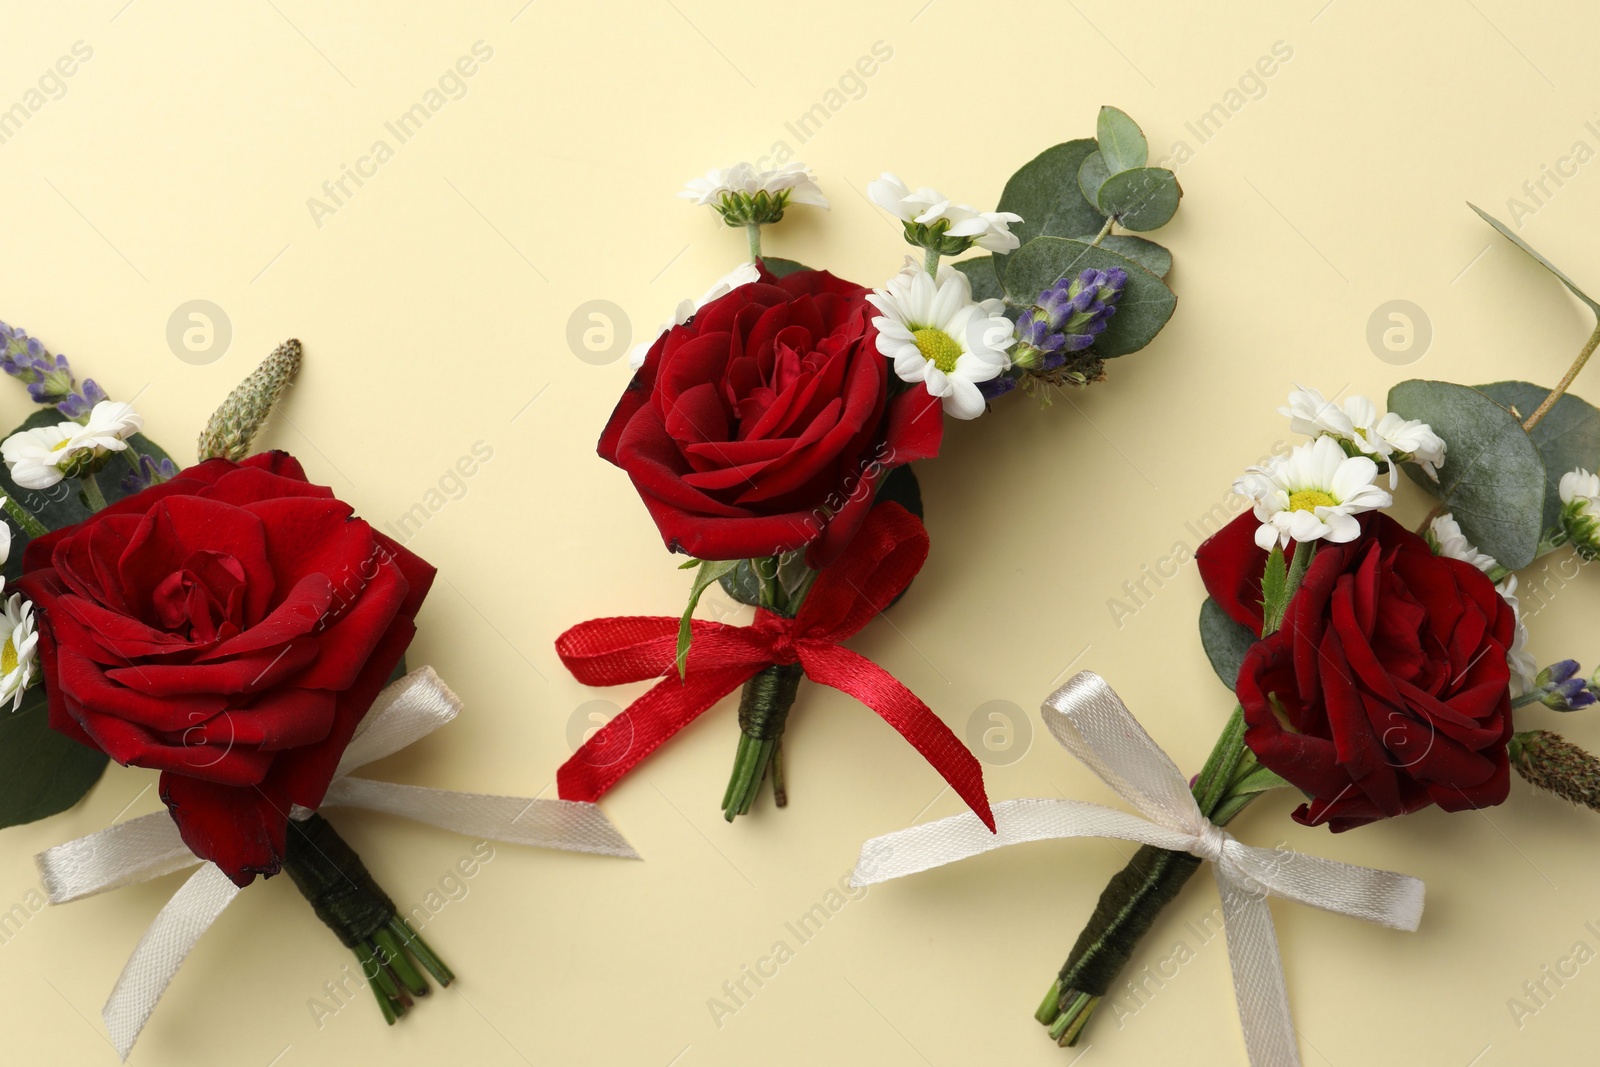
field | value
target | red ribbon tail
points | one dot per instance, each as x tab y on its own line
622	743
881	691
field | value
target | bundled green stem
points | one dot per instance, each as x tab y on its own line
1225	786
764	705
234	425
341	891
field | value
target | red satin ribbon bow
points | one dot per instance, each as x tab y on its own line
880	561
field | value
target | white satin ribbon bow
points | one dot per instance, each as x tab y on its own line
1089	720
149	846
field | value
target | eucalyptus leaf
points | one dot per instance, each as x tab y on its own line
709	571
1545	263
1045	193
1149	255
779	267
743	583
1568	437
1492	480
1143	309
984	275
1091	176
41	772
1141	199
62	504
1122	143
1224	640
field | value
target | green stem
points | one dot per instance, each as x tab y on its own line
92	494
1272	614
752	230
24	519
1566	381
1105	231
930	262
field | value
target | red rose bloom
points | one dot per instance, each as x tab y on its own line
1389	674
762	424
229	628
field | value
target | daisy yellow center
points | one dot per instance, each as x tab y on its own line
937	347
1310	500
8	657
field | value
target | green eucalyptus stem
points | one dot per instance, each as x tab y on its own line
92	494
752	231
1105	231
24	519
930	262
1566	380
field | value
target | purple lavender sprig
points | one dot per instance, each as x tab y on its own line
1067	318
49	378
150	472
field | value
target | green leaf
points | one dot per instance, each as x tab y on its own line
1121	141
41	772
984	275
1274	590
1259	780
1568	437
1149	255
1091	176
1492	480
1141	199
1545	263
1144	308
1224	640
710	570
780	267
1045	193
62	504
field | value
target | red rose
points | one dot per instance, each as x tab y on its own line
1389	674
762	424
229	628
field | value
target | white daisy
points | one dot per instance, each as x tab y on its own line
1523	666
1315	492
744	194
36	456
18	656
5	542
1446	539
1391	438
989	230
937	335
743	274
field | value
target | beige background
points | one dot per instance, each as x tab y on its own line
434	305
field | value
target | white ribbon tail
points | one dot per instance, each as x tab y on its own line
161	951
920	848
565	824
1259	991
133	851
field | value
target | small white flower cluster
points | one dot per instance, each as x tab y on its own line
18	652
1391	439
1580	511
989	230
41	457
